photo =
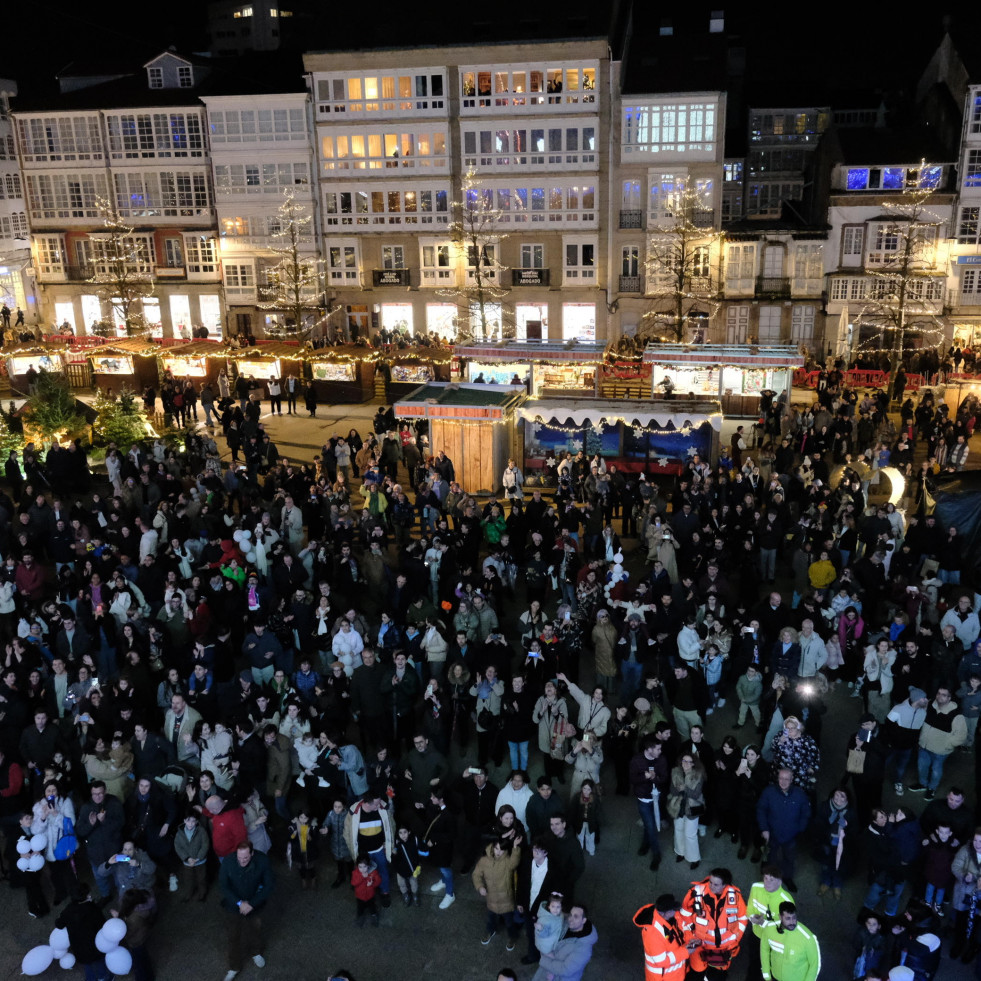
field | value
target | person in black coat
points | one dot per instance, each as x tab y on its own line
250	757
528	897
872	743
439	835
83	920
151	816
478	797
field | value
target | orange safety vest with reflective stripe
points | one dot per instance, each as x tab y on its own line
717	921
665	953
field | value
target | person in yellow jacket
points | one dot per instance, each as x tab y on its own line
763	908
665	951
788	950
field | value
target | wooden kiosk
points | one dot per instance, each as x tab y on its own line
125	362
472	423
343	374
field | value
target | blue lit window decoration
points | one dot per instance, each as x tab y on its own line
858	178
930	177
893	178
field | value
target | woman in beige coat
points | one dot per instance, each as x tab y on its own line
493	878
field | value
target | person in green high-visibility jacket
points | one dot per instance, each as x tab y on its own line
788	950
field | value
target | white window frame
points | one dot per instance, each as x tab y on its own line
671	127
383	92
532	256
405	147
436	262
580	260
808	267
740	267
770	323
528	87
201	255
802	320
737	324
552	145
185	76
155	77
393	257
370	206
852	244
343	261
50	252
970	286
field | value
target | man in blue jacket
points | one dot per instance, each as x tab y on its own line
783	812
246	882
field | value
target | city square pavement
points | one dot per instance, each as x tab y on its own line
311	934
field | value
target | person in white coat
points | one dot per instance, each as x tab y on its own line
347	646
513	481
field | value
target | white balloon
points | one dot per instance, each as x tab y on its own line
104	944
119	961
35	863
23	846
114	929
67	962
59	938
246	535
39	843
237	536
250	556
59	952
37	961
23	863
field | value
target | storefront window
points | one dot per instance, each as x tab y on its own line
211	314
180	316
397	316
91	312
441	318
65	311
151	311
579	321
531	321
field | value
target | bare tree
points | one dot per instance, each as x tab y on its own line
295	282
123	272
681	265
905	283
477	229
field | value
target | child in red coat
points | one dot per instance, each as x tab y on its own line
365	880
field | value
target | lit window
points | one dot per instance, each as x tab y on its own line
273	12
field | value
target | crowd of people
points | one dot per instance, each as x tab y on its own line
356	658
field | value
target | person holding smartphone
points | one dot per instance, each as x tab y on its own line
131	868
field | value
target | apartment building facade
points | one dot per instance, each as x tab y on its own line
408	142
16	272
964	282
140	142
261	149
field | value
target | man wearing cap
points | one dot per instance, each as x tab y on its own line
665	951
903	725
763	907
788	950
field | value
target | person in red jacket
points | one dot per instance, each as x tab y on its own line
365	880
713	915
227	826
665	951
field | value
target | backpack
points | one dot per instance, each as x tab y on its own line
67	843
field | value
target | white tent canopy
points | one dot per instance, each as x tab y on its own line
648	414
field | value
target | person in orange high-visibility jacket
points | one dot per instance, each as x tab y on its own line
713	914
665	950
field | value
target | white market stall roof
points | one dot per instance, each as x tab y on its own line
718	355
676	413
518	351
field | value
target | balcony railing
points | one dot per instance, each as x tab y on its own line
703	219
631	284
632	219
772	286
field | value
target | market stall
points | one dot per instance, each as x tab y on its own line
343	374
472	423
124	363
39	355
547	368
200	361
405	369
733	373
656	437
267	359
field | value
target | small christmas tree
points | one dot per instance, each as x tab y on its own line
52	410
120	420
